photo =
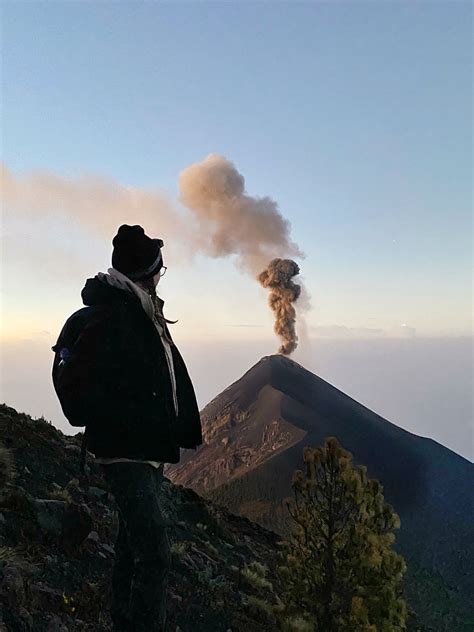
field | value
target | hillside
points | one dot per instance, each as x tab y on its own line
57	532
255	431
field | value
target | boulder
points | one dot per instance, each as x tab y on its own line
50	514
77	524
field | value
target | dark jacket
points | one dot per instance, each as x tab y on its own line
120	383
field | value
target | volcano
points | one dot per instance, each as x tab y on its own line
254	434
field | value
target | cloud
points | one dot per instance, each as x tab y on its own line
97	202
401	331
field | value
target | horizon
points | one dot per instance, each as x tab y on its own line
370	372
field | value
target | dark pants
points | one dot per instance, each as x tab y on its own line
142	549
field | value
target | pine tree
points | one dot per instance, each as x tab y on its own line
340	572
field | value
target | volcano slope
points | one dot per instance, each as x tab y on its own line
255	432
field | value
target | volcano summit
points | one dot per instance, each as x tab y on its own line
254	434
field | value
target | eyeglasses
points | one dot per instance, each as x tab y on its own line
163	270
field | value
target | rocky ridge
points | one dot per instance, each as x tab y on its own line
57	534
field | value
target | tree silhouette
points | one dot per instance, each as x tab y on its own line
339	570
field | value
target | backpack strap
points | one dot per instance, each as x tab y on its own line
85	443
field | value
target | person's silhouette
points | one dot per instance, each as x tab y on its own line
139	410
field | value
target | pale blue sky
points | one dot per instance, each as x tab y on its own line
354	116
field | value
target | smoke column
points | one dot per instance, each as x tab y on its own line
231	222
278	277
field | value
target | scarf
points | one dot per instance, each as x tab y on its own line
152	305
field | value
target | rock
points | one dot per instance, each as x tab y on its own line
14	591
77	524
175	597
50	514
74	449
56	625
19	500
94	536
26	618
108	548
9	410
97	492
12	588
26	568
45	598
72	484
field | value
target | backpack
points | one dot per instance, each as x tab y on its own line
65	368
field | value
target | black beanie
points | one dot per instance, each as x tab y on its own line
136	255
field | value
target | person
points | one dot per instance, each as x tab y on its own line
135	390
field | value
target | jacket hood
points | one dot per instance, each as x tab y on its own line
115	286
96	292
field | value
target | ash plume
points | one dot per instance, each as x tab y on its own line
98	203
278	277
231	222
220	219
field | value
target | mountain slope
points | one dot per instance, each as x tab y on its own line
255	432
57	534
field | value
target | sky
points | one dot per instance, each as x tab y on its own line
354	117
